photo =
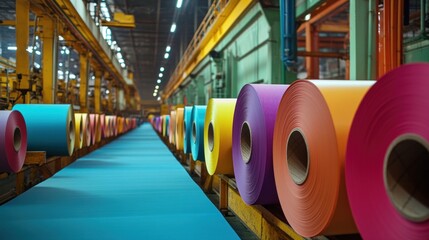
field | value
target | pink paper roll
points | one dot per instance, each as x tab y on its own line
387	164
13	141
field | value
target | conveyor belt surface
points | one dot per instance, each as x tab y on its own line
132	188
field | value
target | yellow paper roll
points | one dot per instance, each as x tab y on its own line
179	128
78	131
218	136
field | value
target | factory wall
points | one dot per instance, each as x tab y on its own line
250	53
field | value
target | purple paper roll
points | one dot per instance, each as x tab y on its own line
13	141
252	142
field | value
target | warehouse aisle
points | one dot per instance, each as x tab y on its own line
132	188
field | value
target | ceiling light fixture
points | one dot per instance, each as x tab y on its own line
166	55
162	69
167	49
173	28
179	3
158	81
160	75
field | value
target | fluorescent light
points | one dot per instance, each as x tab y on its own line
62	52
159	98
60	64
173	27
119	55
307	17
60	38
158	81
121	60
155	91
107	91
67	51
123	65
166	55
160	75
179	3
38	52
12	48
118	49
156	87
154	94
72	76
36	65
60	72
30	49
162	69
167	49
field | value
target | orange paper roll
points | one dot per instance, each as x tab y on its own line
218	136
172	132
179	128
309	145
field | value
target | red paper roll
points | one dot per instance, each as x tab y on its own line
387	163
13	141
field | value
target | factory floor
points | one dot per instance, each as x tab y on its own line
132	188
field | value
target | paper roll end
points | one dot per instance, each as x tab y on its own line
297	157
246	142
210	137
406	178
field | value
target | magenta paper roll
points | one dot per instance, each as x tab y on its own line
252	142
387	164
13	141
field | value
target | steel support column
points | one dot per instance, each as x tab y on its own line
83	89
22	40
49	59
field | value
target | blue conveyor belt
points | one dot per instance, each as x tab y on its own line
132	188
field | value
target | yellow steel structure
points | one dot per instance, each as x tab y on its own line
84	70
97	91
75	22
120	20
221	18
49	38
22	40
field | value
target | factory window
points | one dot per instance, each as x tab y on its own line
416	19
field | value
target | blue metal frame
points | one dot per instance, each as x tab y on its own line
288	34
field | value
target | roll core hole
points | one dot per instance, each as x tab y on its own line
245	142
184	129
210	137
194	132
297	157
81	130
17	139
71	131
406	176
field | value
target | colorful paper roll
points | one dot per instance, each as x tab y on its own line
172	131
13	141
187	130
310	136
50	127
198	116
98	127
218	136
78	131
103	125
252	142
166	125
93	121
179	128
86	130
387	157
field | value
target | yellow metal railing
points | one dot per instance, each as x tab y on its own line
216	23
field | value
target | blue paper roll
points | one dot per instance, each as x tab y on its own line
50	128
187	130
198	116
